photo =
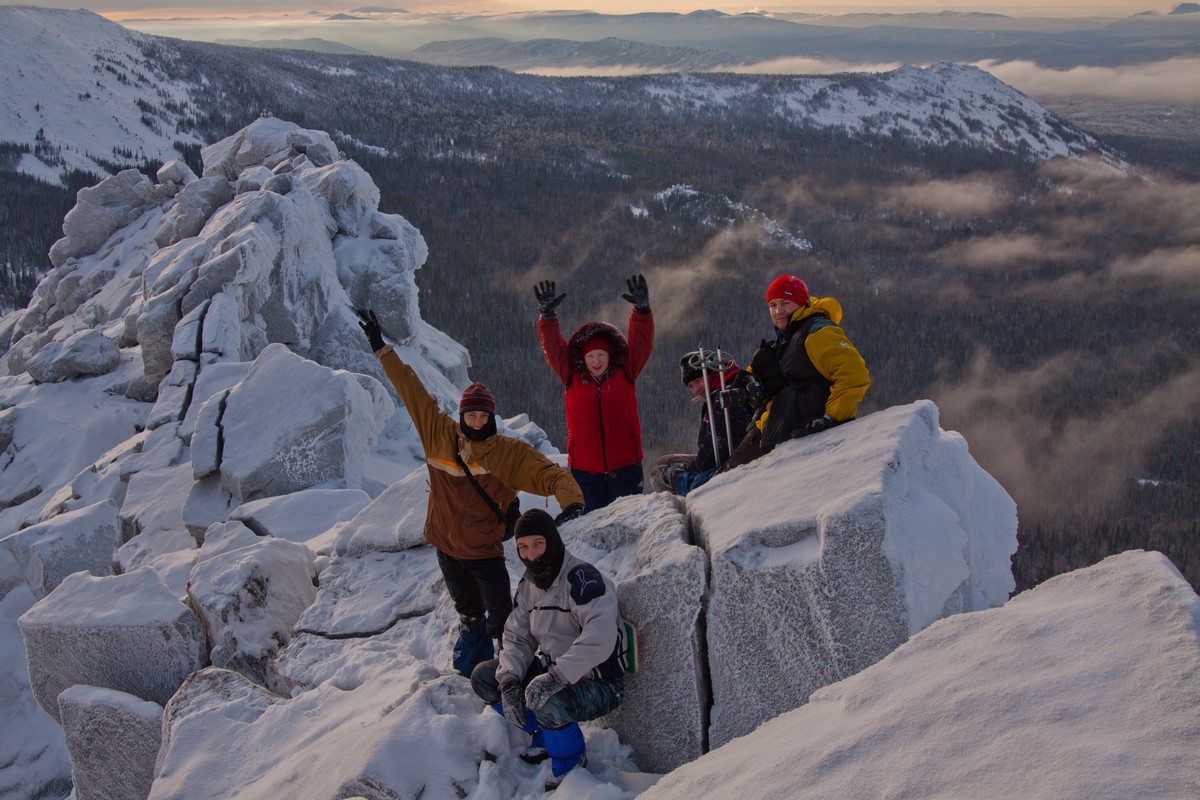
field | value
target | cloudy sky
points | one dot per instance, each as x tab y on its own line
117	9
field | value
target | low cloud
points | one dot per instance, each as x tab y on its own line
1176	80
807	66
972	196
1010	252
1179	266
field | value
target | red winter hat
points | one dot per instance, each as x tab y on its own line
477	398
597	342
788	287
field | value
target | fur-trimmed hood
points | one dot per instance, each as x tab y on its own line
616	340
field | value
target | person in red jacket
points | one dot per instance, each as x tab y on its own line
598	367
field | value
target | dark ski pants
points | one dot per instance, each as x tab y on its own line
558	720
601	488
482	597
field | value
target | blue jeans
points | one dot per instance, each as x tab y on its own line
601	488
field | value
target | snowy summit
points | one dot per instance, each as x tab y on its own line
213	581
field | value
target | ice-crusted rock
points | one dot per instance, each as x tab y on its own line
194	204
319	425
301	516
103	209
113	740
125	632
641	543
393	521
82	540
874	530
175	171
85	353
249	598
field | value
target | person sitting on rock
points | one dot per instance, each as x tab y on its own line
680	473
598	367
808	379
560	660
466	528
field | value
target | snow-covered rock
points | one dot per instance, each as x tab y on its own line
125	632
317	429
85	353
194	204
82	540
844	544
103	209
113	739
1085	686
393	521
249	599
301	516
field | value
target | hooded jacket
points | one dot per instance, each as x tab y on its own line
604	432
458	522
573	625
810	370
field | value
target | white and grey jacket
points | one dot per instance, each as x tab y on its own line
572	626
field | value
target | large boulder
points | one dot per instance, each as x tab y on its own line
320	424
393	521
301	516
103	209
85	353
85	540
125	632
844	544
249	599
113	739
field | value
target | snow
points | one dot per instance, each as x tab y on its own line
344	688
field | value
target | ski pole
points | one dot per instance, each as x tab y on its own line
722	365
712	420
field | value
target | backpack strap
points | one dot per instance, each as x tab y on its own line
487	498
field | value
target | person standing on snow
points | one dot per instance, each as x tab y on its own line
809	379
681	473
598	368
467	459
560	660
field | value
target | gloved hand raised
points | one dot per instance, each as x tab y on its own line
547	302
512	700
573	511
638	294
370	325
541	689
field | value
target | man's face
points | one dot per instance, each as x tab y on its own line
696	386
781	311
476	419
531	548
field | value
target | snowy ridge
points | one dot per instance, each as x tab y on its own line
84	92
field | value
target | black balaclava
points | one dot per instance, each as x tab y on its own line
544	569
480	435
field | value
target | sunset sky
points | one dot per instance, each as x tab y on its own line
119	9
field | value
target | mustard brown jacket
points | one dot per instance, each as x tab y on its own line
458	522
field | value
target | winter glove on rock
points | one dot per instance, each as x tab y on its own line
512	699
816	425
370	325
638	294
573	511
547	302
541	689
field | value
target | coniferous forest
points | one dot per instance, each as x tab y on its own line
1047	308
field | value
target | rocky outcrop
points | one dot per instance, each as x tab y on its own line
113	739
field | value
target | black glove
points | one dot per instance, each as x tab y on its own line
512	700
547	302
815	425
573	511
370	325
541	689
638	294
730	398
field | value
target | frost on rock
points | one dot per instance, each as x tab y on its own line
249	599
85	353
113	740
125	632
393	521
102	210
292	424
301	516
849	542
83	540
194	204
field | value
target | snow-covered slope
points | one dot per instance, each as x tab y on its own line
83	92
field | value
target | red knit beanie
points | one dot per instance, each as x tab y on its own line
788	287
477	398
597	342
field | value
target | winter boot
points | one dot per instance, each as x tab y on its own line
566	747
473	645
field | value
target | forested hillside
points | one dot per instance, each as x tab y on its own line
1047	307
